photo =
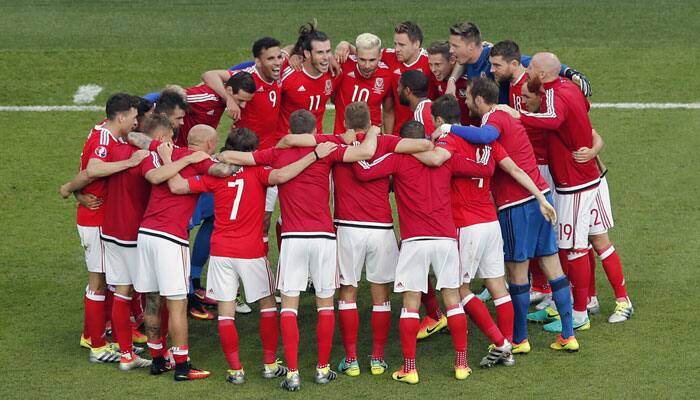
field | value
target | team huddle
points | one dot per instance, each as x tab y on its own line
491	157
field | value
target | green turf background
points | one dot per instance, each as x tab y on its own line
636	51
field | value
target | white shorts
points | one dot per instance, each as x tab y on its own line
373	247
481	251
164	266
415	259
224	272
601	213
574	218
271	198
121	263
94	248
546	174
303	257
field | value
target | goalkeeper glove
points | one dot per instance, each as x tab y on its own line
580	79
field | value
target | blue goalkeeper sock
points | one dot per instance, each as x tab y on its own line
520	296
200	250
561	293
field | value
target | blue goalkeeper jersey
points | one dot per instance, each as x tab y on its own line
482	68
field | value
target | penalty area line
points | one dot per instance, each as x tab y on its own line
621	106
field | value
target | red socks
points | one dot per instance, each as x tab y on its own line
504	316
409	324
591	283
538	281
156	349
290	337
121	322
479	314
430	302
579	276
457	322
180	354
95	317
381	325
324	335
269	334
229	341
137	308
613	269
164	320
349	326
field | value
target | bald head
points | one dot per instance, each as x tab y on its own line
546	66
202	137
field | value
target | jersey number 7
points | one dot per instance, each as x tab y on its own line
237	201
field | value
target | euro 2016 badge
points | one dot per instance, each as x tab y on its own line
378	86
101	152
329	87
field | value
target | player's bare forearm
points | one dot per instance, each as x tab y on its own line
285	174
78	182
100	169
215	80
433	158
457	72
598	142
223	169
236	157
178	185
140	140
163	173
297	140
411	146
366	149
521	177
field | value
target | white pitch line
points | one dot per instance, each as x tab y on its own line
86	93
624	106
641	106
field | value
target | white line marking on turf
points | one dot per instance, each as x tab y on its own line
640	106
624	106
50	108
86	93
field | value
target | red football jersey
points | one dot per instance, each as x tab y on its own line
127	200
205	107
360	203
506	191
422	193
99	144
304	199
422	115
538	137
564	110
354	87
461	95
301	90
167	214
471	199
261	113
239	210
404	113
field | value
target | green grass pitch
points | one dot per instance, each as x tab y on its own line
641	51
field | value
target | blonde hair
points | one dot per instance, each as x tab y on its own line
368	41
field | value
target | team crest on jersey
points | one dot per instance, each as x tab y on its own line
378	86
101	152
483	74
462	92
329	88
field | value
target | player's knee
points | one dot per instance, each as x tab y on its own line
325	294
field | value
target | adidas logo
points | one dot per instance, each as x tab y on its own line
397	71
301	89
210	112
351	74
260	89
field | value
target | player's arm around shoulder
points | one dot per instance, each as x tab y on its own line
433	158
297	140
411	146
285	174
366	149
